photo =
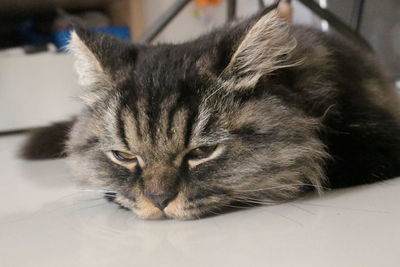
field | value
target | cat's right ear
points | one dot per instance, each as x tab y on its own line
249	50
98	59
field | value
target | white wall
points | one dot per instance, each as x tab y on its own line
36	90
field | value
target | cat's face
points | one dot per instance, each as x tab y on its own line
176	132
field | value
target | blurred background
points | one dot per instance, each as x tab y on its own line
37	82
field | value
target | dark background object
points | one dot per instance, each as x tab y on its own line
231	12
336	23
379	24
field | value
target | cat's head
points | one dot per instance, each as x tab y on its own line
186	130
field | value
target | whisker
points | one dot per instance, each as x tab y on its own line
346	208
260	202
214	212
285	217
93	206
253	201
98	190
303	209
282	186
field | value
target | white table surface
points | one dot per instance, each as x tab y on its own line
45	220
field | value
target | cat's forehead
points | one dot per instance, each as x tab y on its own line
163	80
157	134
161	102
166	76
168	64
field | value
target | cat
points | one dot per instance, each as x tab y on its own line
257	111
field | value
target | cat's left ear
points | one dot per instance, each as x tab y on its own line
99	59
265	47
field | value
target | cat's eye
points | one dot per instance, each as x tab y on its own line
201	152
123	157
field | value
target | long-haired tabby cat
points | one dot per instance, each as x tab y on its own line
256	111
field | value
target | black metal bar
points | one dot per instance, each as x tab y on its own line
17	131
356	18
231	11
261	4
163	21
336	23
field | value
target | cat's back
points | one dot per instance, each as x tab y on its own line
348	69
346	87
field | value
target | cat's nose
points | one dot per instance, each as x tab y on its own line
161	200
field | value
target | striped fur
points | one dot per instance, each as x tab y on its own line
308	117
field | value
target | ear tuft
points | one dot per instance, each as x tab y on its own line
266	47
87	65
99	60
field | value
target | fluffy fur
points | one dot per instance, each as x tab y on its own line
47	142
289	109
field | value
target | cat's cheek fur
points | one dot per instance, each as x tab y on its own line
176	208
142	207
182	209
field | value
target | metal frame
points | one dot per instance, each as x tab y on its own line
356	16
231	10
17	131
332	19
163	21
336	23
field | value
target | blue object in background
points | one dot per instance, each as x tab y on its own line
61	38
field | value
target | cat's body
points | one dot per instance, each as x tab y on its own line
255	112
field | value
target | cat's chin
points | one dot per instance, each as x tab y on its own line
176	209
144	209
